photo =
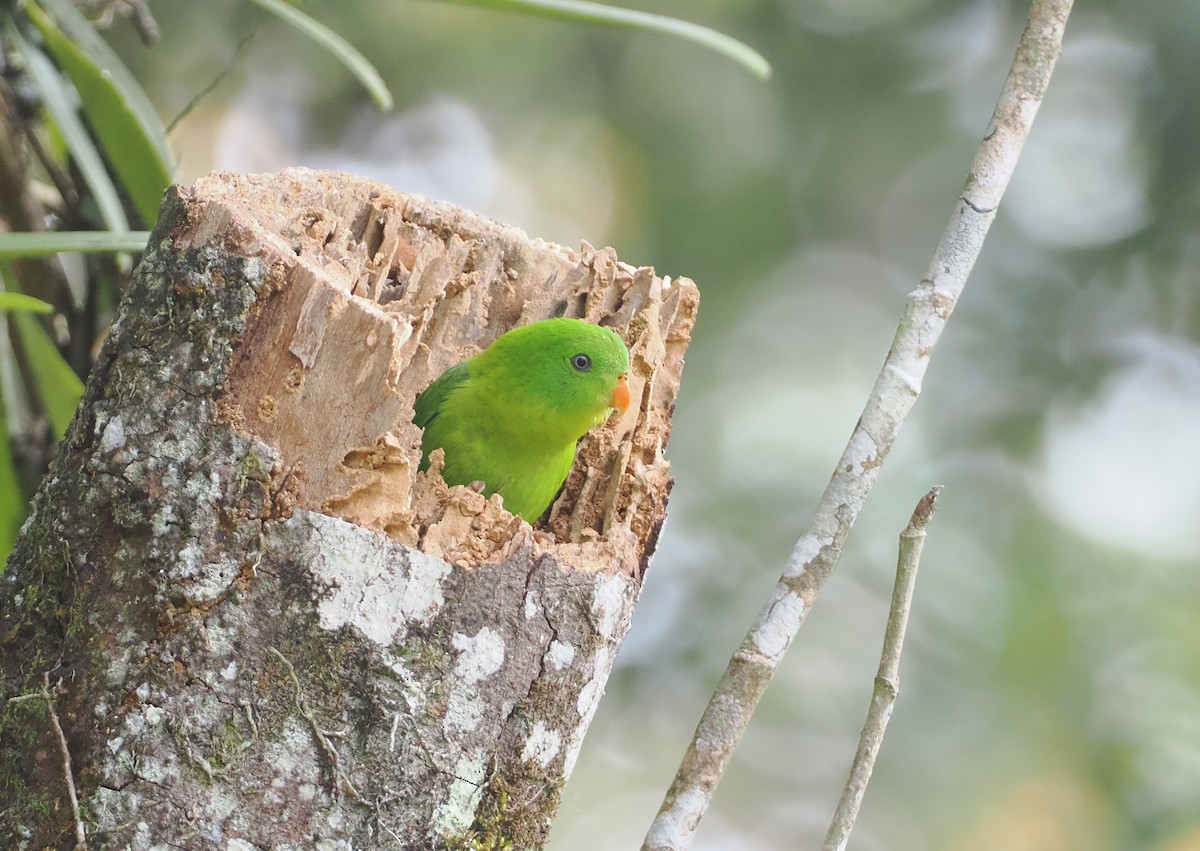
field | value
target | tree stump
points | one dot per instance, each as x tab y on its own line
238	616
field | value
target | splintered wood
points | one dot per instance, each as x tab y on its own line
375	293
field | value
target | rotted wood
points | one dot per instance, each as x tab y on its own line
261	624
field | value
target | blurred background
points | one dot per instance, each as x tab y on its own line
1050	687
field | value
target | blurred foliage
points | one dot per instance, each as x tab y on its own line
84	155
117	110
1051	683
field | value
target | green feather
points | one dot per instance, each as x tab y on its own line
512	415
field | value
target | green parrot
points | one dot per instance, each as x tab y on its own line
510	417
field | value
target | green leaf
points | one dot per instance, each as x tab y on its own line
125	123
12	505
43	243
598	13
57	385
58	101
20	301
335	44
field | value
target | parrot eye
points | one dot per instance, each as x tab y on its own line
581	362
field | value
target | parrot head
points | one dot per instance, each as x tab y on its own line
563	374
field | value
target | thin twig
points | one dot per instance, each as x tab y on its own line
144	22
213	83
106	11
926	312
887	680
48	697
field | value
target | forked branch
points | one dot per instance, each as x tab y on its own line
926	312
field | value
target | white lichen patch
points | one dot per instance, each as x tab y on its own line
202	577
774	631
135	723
611	605
113	436
674	828
463	711
219	805
542	745
457	812
862	452
806	549
161	769
559	655
112	807
294	760
162	521
480	656
589	700
590	694
533	605
372	584
333	845
220	638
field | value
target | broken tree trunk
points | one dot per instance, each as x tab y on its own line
238	617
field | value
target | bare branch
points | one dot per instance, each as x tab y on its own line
925	314
887	680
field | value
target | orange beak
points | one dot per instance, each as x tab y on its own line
621	395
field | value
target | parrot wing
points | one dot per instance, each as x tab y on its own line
429	404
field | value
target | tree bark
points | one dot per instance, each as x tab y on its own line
262	628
